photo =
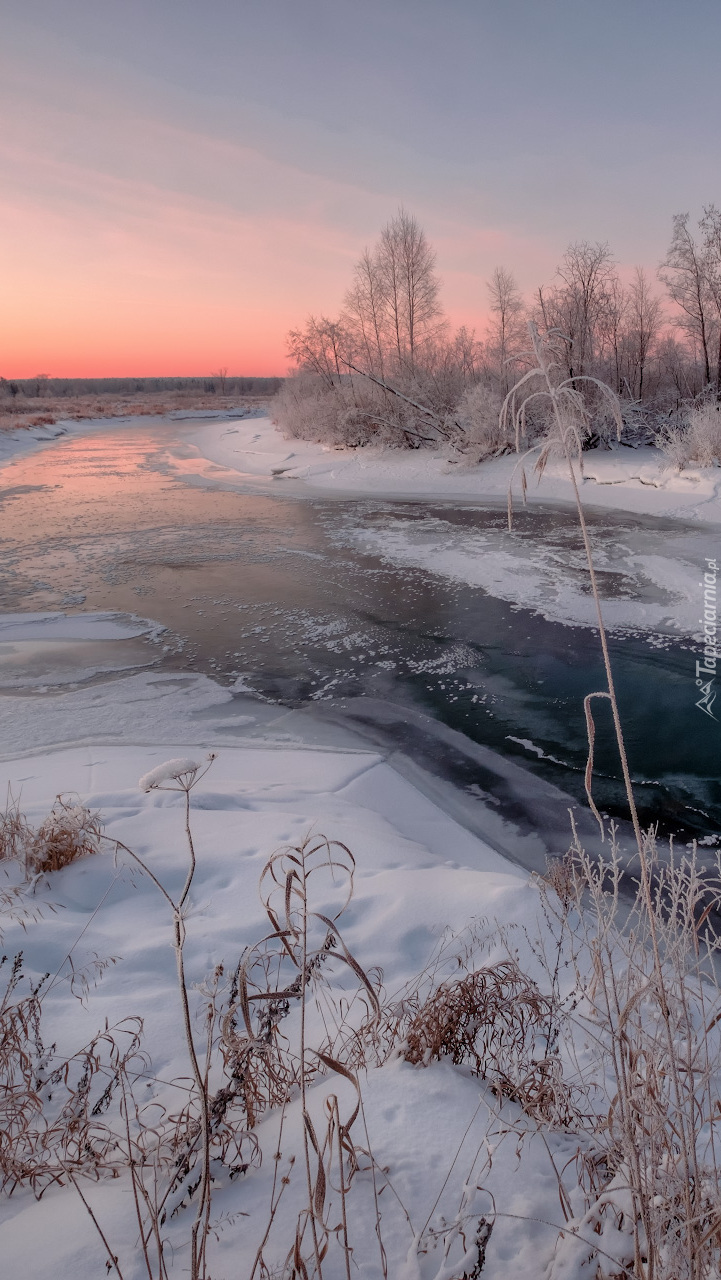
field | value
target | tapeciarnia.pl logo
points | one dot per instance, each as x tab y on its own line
708	638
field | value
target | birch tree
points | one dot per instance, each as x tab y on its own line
684	275
644	315
507	333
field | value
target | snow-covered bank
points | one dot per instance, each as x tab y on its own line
417	872
623	479
17	441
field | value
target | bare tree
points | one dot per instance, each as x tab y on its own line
323	347
643	321
410	286
685	276
679	372
507	332
710	226
612	333
582	301
365	313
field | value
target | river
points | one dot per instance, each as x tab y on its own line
291	594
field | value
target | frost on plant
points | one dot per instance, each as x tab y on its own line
170	771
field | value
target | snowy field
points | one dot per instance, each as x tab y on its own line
441	1148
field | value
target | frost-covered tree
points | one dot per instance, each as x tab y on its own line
507	332
643	324
393	308
387	368
684	272
321	347
710	226
366	316
578	305
406	266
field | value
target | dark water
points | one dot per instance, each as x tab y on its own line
259	584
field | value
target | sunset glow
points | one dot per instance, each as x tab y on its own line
174	199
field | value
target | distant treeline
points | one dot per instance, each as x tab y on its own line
218	383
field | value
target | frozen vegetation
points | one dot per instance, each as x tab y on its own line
389	370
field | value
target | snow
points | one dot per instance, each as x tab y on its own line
416	871
622	479
51	650
170	771
640	590
21	440
79	626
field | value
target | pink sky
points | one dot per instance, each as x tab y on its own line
113	274
178	193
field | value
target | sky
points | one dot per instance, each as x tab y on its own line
184	182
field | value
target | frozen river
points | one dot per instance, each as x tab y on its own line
353	607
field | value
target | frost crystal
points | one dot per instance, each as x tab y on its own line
168	772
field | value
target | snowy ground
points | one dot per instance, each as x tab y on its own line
417	871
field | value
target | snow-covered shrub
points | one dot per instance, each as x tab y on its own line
69	832
478	414
699	441
350	413
307	408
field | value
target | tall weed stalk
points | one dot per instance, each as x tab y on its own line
568	405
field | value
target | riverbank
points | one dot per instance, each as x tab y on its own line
622	479
245	445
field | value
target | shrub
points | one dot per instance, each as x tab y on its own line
479	413
349	414
698	441
69	832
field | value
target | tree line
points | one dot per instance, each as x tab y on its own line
389	368
220	383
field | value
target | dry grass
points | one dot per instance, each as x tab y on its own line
26	411
493	1020
52	1109
16	834
651	1168
69	832
582	1046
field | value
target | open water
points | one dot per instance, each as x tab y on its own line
269	585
